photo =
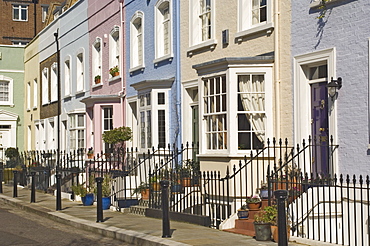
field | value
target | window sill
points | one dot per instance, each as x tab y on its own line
97	85
211	44
134	69
80	92
168	57
28	110
66	97
265	27
115	78
34	108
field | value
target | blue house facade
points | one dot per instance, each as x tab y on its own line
74	54
328	43
152	73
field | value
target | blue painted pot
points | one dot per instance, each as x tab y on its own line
88	200
106	203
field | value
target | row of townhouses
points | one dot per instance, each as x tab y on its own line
231	76
228	75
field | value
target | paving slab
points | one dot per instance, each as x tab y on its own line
131	228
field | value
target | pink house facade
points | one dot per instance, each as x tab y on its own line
105	105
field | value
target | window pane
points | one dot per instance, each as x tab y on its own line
80	120
142	129
215	103
161	129
149	129
251	107
161	100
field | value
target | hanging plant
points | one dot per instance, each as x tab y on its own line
323	8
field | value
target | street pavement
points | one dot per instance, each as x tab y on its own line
20	228
127	227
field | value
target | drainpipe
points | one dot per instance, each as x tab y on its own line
277	68
122	93
178	75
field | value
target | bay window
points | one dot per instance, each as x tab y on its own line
77	131
215	112
251	111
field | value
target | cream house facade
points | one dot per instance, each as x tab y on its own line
235	72
32	90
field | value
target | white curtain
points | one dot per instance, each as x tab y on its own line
252	97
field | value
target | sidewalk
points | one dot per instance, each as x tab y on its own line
134	229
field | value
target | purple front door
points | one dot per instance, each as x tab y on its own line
320	128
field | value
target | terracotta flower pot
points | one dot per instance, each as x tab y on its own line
254	205
186	182
145	194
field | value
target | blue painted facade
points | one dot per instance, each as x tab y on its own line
155	72
74	39
344	31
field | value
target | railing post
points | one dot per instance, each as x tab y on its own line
165	209
59	192
99	199
33	187
15	182
1	178
281	196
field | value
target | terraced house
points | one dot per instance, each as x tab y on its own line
224	98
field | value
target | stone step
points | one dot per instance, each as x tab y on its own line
138	210
242	231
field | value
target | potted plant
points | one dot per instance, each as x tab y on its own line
243	212
83	191
97	79
185	174
254	202
12	154
143	189
271	216
114	71
90	153
176	187
263	221
263	191
154	183
106	191
117	135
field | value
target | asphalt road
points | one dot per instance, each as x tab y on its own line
18	227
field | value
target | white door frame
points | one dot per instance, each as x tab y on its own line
302	94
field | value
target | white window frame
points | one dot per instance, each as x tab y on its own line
77	131
35	94
97	50
213	116
44	12
195	26
67	76
9	82
160	34
28	96
45	85
114	47
232	74
80	71
245	16
145	122
105	126
137	40
156	107
19	8
54	82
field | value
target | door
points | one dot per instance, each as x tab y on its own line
320	128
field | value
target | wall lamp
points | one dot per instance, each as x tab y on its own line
333	86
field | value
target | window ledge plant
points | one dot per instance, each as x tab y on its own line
114	71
